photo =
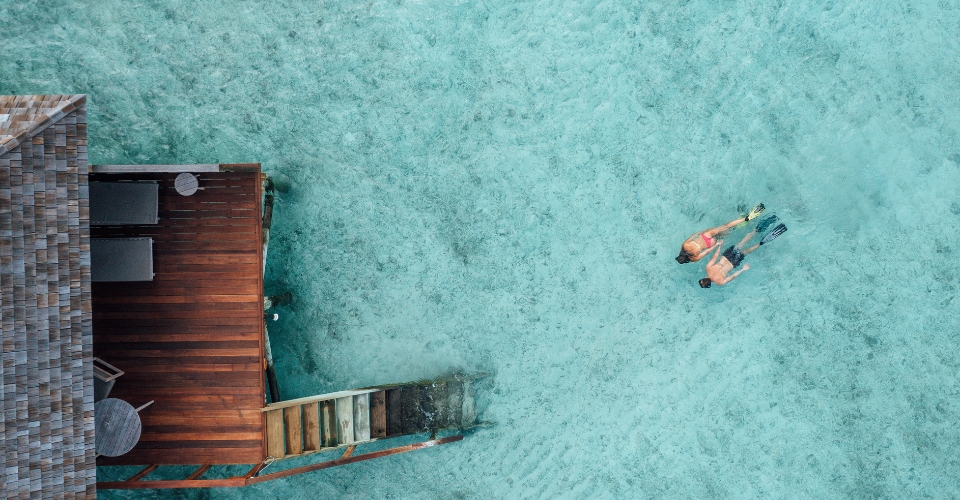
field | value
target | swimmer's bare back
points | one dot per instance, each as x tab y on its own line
719	267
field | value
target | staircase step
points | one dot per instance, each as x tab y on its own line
428	410
409	409
345	420
394	409
455	403
441	404
469	402
275	441
311	427
378	414
328	424
294	431
361	418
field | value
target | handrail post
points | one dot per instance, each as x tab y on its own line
143	473
199	472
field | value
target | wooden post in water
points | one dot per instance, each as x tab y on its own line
271	375
277	300
267	352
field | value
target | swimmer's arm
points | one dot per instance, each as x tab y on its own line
716	253
734	275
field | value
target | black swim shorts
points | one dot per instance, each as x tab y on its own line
734	255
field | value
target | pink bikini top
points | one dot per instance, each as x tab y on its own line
707	240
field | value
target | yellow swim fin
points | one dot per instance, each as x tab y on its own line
757	210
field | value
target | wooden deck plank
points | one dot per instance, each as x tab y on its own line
133	335
168	433
181	314
208	210
239	386
162	304
179	397
221	346
168	197
197	412
207	276
144	380
194	383
176	324
248	455
179	288
179	299
172	422
204	246
159	364
186	268
170	231
162	235
206	443
115	351
166	229
206	428
228	369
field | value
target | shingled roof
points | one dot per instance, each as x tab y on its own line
45	304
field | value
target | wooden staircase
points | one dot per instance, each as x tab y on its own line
319	423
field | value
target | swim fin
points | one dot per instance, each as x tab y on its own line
772	235
766	222
757	210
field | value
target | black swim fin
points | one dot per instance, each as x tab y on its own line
772	235
765	223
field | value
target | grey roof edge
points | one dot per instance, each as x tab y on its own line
11	142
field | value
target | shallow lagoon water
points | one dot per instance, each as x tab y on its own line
501	187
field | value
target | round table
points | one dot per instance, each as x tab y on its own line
186	184
117	427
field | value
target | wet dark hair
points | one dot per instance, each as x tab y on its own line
705	283
684	257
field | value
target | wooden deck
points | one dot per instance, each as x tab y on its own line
191	339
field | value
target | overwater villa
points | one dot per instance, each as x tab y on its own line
134	327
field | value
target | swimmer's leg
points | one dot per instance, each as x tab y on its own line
724	229
751	249
746	239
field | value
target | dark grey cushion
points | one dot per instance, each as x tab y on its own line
123	203
121	259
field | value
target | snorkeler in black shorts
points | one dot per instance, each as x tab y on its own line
717	270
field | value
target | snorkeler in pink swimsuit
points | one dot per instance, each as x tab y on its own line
699	244
719	267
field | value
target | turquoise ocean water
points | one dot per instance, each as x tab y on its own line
501	187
